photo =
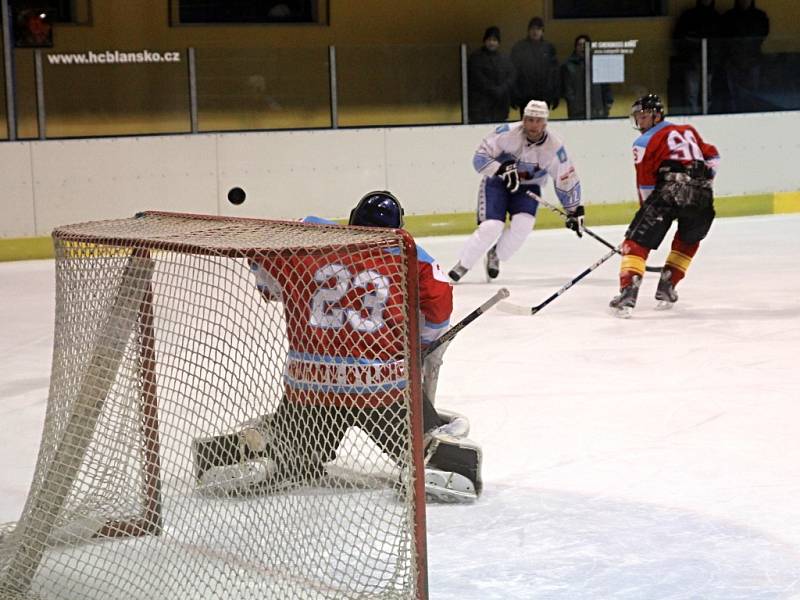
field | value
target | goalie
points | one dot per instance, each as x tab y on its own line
346	368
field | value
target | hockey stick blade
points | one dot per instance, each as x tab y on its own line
586	230
514	309
453	331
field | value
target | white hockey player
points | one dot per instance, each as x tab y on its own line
515	159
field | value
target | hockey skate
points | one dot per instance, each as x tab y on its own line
622	305
492	264
457	272
665	293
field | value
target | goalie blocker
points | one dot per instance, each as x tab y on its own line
250	460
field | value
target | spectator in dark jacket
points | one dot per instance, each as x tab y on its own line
694	24
536	67
745	28
573	85
491	76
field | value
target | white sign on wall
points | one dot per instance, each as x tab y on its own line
608	60
608	68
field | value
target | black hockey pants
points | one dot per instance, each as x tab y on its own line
691	203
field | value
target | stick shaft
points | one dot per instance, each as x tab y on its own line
585	229
556	209
568	285
455	329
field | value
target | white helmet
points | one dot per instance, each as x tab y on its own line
536	108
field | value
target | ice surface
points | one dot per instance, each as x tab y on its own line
649	458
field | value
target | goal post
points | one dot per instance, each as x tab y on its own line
178	331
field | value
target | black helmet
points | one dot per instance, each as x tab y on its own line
378	209
649	102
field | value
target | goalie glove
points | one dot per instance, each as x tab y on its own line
508	173
575	220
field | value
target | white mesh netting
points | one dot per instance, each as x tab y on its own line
230	415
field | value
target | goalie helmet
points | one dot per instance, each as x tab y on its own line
378	209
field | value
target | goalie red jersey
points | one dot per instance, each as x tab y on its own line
346	322
668	141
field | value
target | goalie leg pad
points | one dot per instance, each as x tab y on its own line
235	463
448	487
250	442
430	371
216	451
454	424
252	459
251	475
456	455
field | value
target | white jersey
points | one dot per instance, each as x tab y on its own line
535	160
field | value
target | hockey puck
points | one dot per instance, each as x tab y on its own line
236	195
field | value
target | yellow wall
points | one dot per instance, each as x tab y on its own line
276	76
146	22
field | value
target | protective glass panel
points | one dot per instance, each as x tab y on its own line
3	115
384	85
116	92
269	88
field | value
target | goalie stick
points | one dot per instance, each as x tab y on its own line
516	309
588	231
455	329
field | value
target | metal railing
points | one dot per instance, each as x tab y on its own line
52	94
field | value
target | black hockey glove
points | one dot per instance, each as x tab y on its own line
508	173
575	220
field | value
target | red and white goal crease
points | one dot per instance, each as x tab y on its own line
162	338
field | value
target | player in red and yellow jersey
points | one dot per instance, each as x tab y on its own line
675	169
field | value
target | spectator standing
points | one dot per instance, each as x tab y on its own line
745	28
573	84
694	24
491	77
536	67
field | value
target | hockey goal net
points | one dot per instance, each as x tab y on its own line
166	469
